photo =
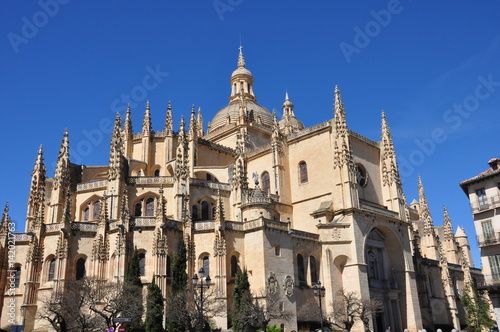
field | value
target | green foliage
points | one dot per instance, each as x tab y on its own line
132	272
242	314
179	275
477	308
154	308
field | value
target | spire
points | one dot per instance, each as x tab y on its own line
193	131
66	216
424	210
146	123
37	189
241	59
448	230
287	107
199	122
62	174
182	156
127	126
169	125
342	148
5	219
116	150
389	165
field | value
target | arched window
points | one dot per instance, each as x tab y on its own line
314	271
205	210
373	268
52	269
266	183
157	172
139	173
303	172
96	210
206	265
138	209
142	264
234	266
17	277
80	269
195	212
150	207
300	267
86	214
169	267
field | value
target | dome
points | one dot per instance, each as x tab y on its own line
257	114
292	122
241	71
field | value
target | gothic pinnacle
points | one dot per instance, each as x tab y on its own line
127	126
199	123
448	230
61	176
339	114
426	215
391	171
168	120
146	124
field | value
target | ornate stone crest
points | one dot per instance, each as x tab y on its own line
272	283
288	286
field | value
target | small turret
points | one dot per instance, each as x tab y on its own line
146	123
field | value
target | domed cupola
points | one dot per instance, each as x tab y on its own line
243	107
289	123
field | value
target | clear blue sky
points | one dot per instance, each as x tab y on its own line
68	66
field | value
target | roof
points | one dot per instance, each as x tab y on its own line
493	170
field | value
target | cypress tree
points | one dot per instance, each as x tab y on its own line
179	275
132	272
154	311
242	304
477	310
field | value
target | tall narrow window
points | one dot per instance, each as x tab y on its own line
138	209
303	172
494	261
150	207
206	265
169	267
157	172
96	210
314	271
266	182
80	269
17	277
205	211
488	232
142	264
86	214
373	268
195	212
234	266
482	199
300	267
52	269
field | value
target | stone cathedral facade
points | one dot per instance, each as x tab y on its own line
292	205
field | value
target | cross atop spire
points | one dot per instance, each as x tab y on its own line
241	59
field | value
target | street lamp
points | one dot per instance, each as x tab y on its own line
320	292
201	285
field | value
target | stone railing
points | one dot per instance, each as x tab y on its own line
276	224
210	184
151	180
84	226
204	225
91	185
377	208
215	146
234	225
253	196
309	130
22	237
304	235
136	135
144	221
362	138
50	228
113	225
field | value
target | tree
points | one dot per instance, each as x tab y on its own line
63	309
243	314
154	308
477	309
349	308
178	318
268	309
133	271
179	275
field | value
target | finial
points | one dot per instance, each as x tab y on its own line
286	96
147	105
241	59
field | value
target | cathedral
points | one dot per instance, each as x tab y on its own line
291	205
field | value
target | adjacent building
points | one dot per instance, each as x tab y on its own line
483	192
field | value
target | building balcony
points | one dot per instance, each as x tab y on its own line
491	202
491	283
488	240
150	180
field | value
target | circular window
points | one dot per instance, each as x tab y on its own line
361	175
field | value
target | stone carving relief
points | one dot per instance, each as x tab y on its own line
288	285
